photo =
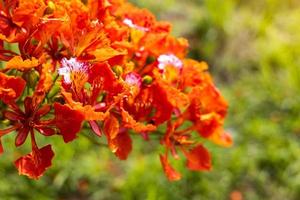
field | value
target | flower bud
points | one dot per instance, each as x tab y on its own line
118	70
54	91
101	96
50	8
31	78
150	59
147	80
5	122
34	42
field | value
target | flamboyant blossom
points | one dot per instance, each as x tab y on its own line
104	67
73	71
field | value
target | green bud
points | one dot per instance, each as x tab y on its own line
101	97
50	9
87	86
118	70
34	42
54	91
31	78
6	122
147	80
150	59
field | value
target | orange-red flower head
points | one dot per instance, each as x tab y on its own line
109	68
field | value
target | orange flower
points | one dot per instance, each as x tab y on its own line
194	73
28	13
10	31
207	110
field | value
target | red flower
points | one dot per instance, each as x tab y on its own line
25	122
112	65
28	120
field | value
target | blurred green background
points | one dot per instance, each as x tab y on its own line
253	48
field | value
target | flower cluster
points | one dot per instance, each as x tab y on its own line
105	66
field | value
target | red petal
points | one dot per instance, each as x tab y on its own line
138	127
21	136
10	129
12	116
205	100
111	127
43	110
101	77
119	142
174	96
10	87
194	73
162	105
95	128
45	131
68	121
34	164
209	124
222	138
124	145
44	84
28	105
170	172
198	159
106	53
87	111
